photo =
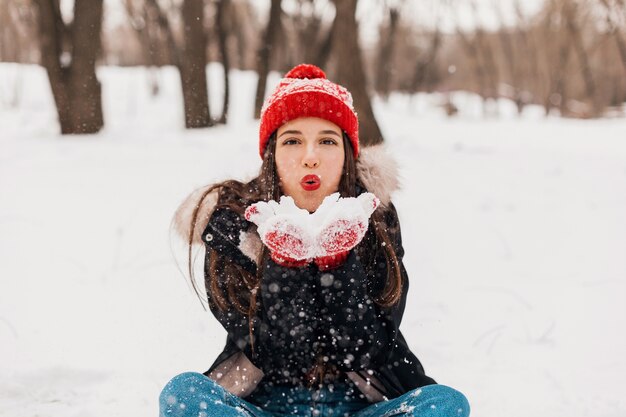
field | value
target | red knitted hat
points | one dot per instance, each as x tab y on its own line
305	92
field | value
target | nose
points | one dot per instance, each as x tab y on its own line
311	159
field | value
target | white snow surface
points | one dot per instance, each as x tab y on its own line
514	231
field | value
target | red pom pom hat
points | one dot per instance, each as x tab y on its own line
306	92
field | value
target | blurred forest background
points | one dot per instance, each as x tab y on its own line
568	56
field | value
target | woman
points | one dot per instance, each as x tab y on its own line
311	290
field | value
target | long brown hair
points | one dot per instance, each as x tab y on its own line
243	287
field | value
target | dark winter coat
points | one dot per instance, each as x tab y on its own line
304	313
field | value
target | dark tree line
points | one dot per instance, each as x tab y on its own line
570	57
185	34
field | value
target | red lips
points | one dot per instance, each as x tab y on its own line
310	182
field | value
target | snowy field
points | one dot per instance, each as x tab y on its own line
514	230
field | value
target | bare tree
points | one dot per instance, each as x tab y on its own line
270	37
350	69
613	8
527	69
325	46
166	29
223	13
485	49
571	15
144	21
512	55
68	52
556	55
193	66
426	61
308	35
9	39
386	51
243	25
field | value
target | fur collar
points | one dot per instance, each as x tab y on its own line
376	168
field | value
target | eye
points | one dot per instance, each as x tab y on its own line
328	141
291	141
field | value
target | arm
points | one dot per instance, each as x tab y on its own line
221	237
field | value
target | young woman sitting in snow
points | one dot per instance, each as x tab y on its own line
303	268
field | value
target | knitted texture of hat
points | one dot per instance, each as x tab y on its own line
306	92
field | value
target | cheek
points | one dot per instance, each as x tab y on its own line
335	169
285	166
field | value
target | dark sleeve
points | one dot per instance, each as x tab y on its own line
234	322
357	332
221	236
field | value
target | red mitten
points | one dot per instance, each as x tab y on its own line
287	243
282	228
343	227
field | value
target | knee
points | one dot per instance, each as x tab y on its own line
442	397
188	385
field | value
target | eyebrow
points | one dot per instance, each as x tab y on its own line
330	132
297	132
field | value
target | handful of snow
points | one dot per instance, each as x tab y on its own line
338	225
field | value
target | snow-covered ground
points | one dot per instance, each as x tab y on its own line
514	230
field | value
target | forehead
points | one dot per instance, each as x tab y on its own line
309	124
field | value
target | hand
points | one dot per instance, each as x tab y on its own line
283	229
295	237
344	222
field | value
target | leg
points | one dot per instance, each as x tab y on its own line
193	394
429	401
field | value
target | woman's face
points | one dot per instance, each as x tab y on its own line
309	160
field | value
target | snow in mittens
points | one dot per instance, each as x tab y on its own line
337	224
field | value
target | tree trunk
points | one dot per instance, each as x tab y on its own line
238	19
490	67
472	53
164	26
511	52
193	66
529	75
426	61
615	32
72	75
9	38
86	104
386	53
560	78
323	53
570	14
140	22
350	70
621	46
309	39
265	54
222	32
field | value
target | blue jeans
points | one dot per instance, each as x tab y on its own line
192	394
